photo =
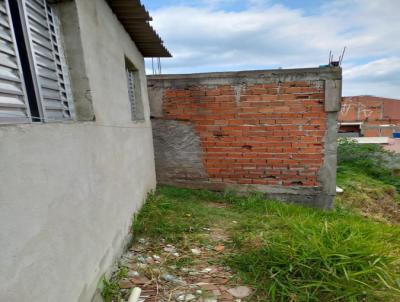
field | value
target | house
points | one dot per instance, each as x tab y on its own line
273	131
369	116
76	142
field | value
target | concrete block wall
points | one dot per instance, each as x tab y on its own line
273	131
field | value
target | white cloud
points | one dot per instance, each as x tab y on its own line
380	77
207	38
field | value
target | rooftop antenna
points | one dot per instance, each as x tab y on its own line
156	66
341	57
159	65
339	61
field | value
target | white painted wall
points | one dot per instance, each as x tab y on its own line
68	190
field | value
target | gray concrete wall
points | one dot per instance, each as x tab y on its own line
68	191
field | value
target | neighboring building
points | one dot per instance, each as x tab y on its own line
369	116
271	130
76	149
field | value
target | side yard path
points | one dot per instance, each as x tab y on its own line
196	245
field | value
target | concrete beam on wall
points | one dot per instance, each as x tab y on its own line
249	77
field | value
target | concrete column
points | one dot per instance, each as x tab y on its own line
69	18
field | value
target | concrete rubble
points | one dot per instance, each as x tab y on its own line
166	272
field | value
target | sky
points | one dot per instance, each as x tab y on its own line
228	35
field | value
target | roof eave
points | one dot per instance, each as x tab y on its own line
135	19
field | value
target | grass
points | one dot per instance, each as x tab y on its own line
371	187
369	160
285	252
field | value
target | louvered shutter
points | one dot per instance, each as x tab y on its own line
48	60
13	102
131	92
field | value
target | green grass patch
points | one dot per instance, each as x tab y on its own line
174	213
285	252
369	160
300	254
367	175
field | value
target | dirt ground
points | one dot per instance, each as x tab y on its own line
187	272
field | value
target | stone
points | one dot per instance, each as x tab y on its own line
226	296
220	248
207	286
141	259
240	291
190	297
140	280
129	255
132	274
173	279
196	251
125	283
212	299
141	265
185	298
207	270
221	280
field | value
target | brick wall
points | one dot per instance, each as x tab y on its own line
267	134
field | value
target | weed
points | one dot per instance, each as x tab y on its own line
110	291
286	252
370	160
370	186
308	255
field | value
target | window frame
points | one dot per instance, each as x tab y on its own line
45	66
134	92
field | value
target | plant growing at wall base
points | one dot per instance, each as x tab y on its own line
110	291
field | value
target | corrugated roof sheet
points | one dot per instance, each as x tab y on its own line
135	19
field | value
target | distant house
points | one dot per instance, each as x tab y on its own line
369	116
76	150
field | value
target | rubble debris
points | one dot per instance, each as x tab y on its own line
153	266
196	251
240	291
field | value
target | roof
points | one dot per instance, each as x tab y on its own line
135	19
368	97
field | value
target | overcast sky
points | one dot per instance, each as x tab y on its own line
223	35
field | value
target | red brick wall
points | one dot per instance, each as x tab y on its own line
270	134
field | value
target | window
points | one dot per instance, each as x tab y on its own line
135	97
34	80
